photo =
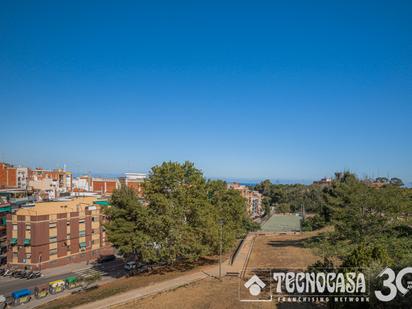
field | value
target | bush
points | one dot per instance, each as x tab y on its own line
313	223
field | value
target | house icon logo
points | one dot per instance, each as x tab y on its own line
255	285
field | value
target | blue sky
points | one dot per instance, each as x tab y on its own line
258	89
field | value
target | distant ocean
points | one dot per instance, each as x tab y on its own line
253	182
242	181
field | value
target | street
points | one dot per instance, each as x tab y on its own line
108	270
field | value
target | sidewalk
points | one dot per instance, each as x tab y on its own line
238	266
159	287
240	262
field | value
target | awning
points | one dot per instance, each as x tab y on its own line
82	245
13	241
102	203
5	209
71	279
27	242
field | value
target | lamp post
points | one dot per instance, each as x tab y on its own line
221	222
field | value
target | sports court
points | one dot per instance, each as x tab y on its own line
282	223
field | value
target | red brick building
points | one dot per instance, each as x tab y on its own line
8	176
104	185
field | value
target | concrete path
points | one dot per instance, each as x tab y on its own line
238	266
153	289
240	262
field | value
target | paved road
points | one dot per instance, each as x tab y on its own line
112	269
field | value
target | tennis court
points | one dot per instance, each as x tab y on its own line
282	223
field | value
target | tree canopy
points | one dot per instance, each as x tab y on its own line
179	217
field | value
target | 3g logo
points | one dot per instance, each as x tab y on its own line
393	288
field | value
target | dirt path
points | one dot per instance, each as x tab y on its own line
266	251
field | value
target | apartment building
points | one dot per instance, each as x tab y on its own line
134	181
5	208
253	199
52	234
12	177
82	184
104	185
50	184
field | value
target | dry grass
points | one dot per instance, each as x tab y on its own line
282	252
126	284
208	293
274	252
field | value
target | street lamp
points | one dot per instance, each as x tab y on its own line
221	222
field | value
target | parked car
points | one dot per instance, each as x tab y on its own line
106	258
131	265
3	302
139	270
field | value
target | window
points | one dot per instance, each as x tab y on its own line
82	233
14	227
52	239
95	219
68	223
52	251
52	225
28	255
14	255
28	227
68	236
81	221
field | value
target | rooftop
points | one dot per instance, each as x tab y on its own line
52	208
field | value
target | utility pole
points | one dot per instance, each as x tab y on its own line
220	250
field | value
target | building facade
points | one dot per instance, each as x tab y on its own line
134	181
12	177
5	208
104	185
253	199
50	184
52	234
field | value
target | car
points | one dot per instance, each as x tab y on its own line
131	265
139	269
106	258
3	302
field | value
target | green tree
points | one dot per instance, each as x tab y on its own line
180	216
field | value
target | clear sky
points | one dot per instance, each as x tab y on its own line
257	89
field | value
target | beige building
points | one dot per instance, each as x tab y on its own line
253	198
53	234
